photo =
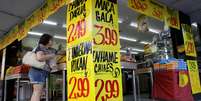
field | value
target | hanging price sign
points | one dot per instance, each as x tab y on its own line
194	76
188	41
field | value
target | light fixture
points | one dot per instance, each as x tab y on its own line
133	24
120	20
49	22
128	39
124	51
60	37
145	42
154	31
35	33
64	25
194	24
139	50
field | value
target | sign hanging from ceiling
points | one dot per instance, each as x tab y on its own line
194	76
188	40
156	10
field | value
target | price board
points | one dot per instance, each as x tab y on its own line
188	41
93	51
194	76
141	6
172	18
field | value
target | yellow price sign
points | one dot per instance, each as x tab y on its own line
141	6
93	56
188	41
194	76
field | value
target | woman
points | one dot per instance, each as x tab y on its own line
44	52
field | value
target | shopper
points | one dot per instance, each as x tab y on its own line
44	52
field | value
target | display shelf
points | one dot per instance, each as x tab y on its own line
16	76
128	65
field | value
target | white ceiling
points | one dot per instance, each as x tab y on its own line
126	14
190	7
13	12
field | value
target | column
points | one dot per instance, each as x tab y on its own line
93	51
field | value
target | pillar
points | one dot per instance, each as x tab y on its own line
93	51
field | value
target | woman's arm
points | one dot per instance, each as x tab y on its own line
43	57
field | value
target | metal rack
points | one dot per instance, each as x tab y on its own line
136	72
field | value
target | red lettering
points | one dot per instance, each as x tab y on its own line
81	86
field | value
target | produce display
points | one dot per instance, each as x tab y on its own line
22	69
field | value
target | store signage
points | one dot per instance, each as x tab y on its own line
172	18
183	79
141	6
156	10
188	41
194	76
93	48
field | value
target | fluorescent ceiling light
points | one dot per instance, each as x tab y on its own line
139	50
124	51
49	22
60	37
120	20
128	39
35	33
64	25
144	42
194	24
154	30
133	24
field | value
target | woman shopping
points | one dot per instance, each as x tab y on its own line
44	53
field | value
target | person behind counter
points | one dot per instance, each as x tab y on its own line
44	52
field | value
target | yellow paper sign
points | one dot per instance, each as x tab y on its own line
157	10
23	30
194	76
188	41
141	6
183	79
172	18
93	55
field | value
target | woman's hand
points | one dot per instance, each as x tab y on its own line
40	56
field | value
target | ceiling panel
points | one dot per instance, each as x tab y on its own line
7	21
126	30
21	8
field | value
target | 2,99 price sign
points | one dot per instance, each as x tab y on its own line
106	90
80	87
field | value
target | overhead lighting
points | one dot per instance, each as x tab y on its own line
64	25
128	39
35	33
120	20
194	24
133	24
144	42
154	30
49	23
124	51
139	50
60	37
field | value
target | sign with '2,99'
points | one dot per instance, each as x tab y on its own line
93	51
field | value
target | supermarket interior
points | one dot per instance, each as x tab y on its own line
116	50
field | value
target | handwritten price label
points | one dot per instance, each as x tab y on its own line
107	90
105	36
139	5
80	87
77	30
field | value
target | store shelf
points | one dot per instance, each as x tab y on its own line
128	65
16	76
